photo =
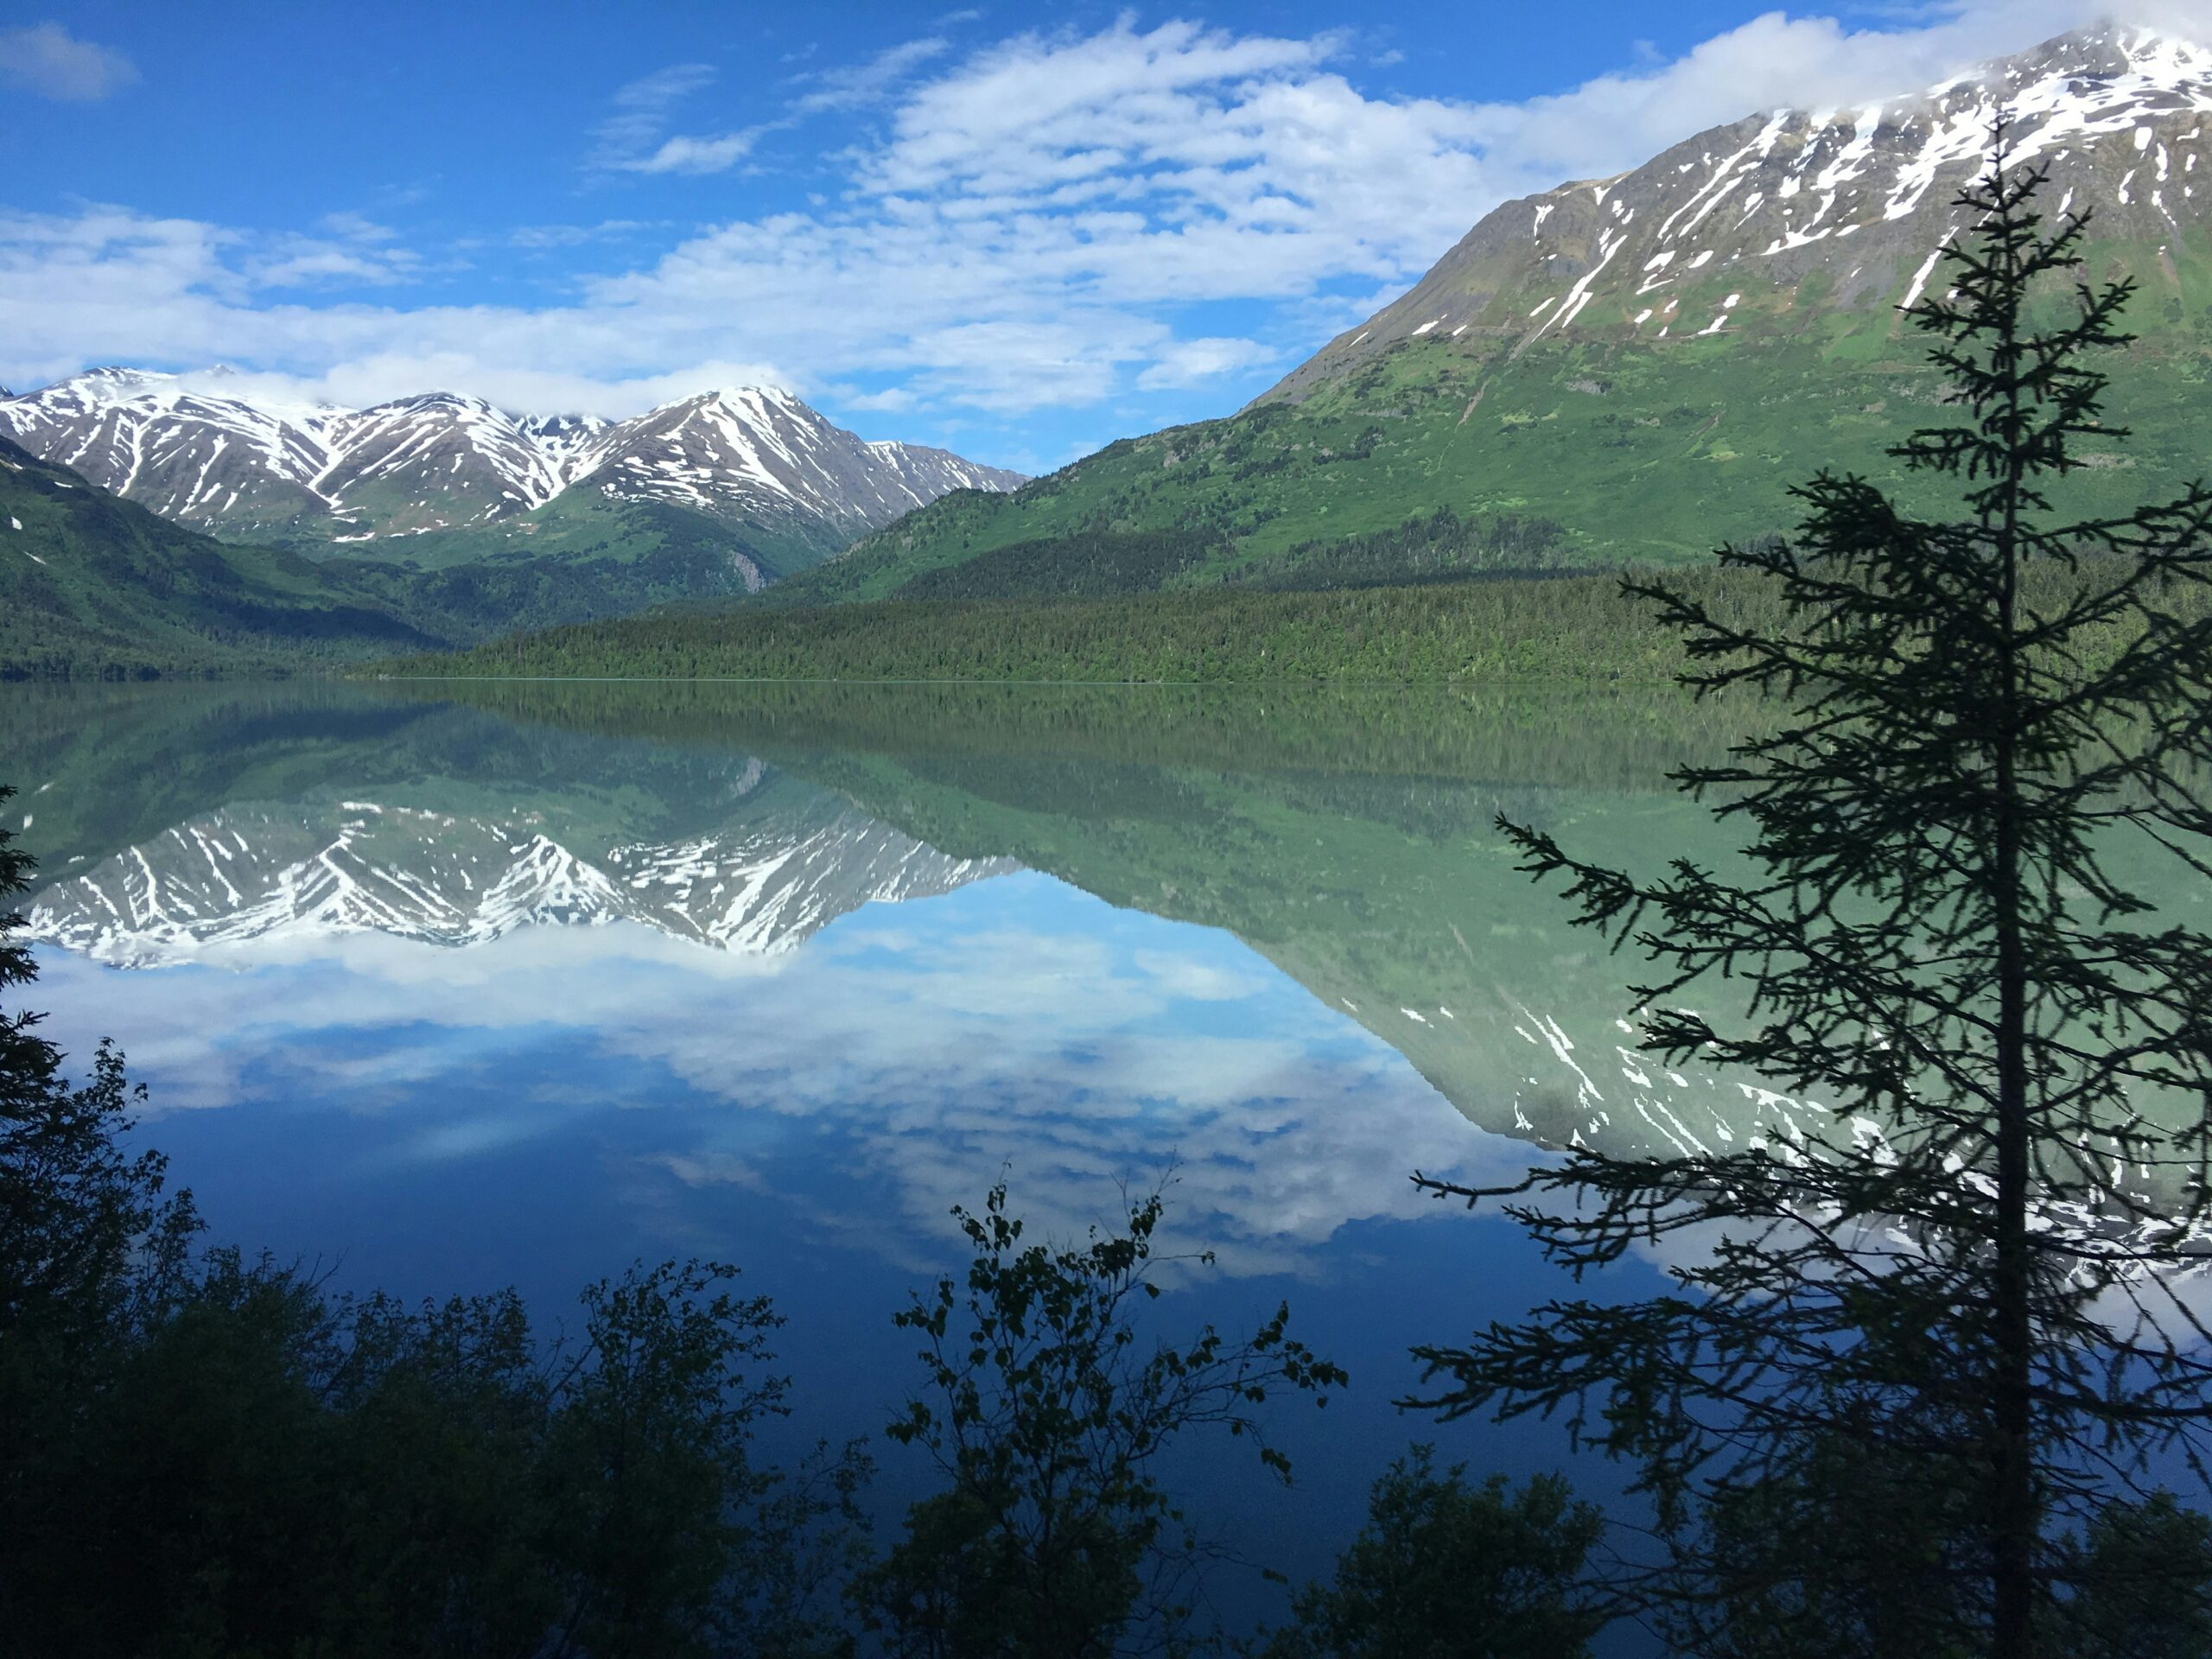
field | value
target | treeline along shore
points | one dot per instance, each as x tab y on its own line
1572	628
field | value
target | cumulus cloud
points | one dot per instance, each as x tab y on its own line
354	250
1049	220
48	61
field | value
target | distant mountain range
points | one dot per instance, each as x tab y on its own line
159	525
1637	367
1629	369
754	458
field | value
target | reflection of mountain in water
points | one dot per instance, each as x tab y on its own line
774	861
1352	847
262	872
1390	897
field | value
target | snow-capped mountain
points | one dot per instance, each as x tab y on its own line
760	445
246	873
1793	210
249	469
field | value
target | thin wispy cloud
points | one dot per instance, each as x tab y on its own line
635	138
544	237
867	83
685	154
47	60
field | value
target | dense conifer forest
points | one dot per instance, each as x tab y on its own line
1567	627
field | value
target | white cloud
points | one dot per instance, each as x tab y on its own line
891	400
365	381
632	139
357	227
867	83
686	154
1190	362
1040	222
1201	982
357	254
965	1050
541	237
47	61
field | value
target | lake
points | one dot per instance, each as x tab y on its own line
451	986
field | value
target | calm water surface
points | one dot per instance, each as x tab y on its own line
455	986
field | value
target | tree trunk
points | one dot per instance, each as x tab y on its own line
2018	1521
2016	1524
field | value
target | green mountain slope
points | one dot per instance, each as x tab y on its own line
1648	362
94	585
580	558
716	554
92	582
1636	455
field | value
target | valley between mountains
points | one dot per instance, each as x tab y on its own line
158	521
1625	371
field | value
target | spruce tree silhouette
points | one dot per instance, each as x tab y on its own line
1942	937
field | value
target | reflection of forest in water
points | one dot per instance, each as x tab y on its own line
1346	835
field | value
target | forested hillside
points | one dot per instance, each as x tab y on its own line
93	585
1578	627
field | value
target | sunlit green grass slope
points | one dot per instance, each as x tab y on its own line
1639	450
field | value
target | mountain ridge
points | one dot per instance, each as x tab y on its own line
88	580
262	872
1764	194
1645	365
320	478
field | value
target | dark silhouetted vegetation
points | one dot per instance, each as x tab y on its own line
1444	1569
1973	1279
1046	1415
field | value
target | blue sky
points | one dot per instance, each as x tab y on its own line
1019	233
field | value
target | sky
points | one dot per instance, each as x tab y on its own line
1019	233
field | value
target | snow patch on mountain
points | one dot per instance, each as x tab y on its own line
249	466
1865	196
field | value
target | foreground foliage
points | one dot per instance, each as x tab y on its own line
1444	1569
1047	1416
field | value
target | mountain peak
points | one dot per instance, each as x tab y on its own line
1845	209
750	399
222	457
2103	51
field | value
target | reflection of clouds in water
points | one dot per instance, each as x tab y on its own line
1201	982
1018	1023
